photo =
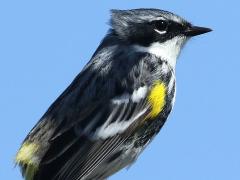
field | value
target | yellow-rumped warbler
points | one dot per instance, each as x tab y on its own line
115	106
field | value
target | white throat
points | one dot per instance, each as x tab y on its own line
168	51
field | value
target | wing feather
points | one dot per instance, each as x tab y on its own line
88	125
83	162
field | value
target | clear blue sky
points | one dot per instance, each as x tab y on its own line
44	45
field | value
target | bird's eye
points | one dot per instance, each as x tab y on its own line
161	26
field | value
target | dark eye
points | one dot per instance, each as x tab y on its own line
161	25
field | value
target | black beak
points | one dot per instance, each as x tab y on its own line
196	30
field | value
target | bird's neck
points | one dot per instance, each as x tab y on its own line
167	51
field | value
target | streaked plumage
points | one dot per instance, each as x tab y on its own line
114	107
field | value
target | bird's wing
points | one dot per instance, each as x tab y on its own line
104	128
95	115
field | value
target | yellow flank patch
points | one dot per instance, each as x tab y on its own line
26	153
27	156
156	98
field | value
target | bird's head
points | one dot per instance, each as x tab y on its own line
162	32
145	26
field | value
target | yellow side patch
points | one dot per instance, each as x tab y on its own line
26	154
156	98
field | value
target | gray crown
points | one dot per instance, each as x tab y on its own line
124	22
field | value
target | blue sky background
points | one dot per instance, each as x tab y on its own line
44	45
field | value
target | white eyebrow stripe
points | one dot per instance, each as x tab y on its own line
160	18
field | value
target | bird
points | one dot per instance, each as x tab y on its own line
116	105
